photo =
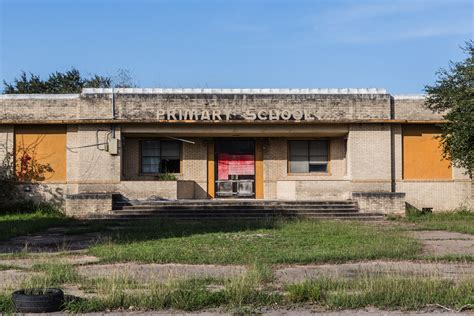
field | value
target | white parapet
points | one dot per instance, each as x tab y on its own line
234	91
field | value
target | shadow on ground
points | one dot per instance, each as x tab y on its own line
80	234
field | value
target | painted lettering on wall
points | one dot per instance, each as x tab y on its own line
229	115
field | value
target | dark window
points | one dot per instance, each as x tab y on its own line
309	156
160	156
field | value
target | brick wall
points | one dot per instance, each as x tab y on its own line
380	202
195	166
193	176
7	139
439	195
369	148
145	106
88	204
143	190
278	183
367	165
413	108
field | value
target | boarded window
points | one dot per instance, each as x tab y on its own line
308	156
159	156
40	153
422	154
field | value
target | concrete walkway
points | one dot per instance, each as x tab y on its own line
278	312
283	274
299	273
442	243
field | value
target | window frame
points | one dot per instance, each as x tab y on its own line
140	160
315	173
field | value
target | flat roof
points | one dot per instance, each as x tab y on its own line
309	91
236	91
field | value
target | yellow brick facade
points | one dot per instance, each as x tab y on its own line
365	134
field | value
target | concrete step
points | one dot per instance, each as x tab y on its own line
242	214
361	217
233	202
236	211
243	208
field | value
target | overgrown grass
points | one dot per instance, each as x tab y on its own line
193	294
253	291
461	220
29	218
117	292
4	267
6	303
384	293
52	275
303	241
450	258
182	295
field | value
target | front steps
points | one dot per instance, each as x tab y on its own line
243	209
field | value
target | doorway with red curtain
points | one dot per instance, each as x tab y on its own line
235	168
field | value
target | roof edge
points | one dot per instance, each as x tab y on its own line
409	96
38	96
234	91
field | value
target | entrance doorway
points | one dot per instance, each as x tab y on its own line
234	168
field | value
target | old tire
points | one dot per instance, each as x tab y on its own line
50	300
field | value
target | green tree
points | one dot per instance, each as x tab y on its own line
123	79
453	95
70	81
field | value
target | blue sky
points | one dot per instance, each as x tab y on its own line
397	45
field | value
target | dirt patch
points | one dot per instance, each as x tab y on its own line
443	243
160	272
52	240
10	279
26	263
294	274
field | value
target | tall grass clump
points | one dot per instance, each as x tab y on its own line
191	294
459	220
52	275
118	293
6	303
249	289
384	293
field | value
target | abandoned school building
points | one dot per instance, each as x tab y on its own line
363	145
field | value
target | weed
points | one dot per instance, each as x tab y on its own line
383	292
459	220
52	275
6	303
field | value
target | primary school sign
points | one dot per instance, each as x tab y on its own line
228	115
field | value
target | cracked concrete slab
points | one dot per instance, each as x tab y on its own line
299	273
444	243
161	272
26	263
